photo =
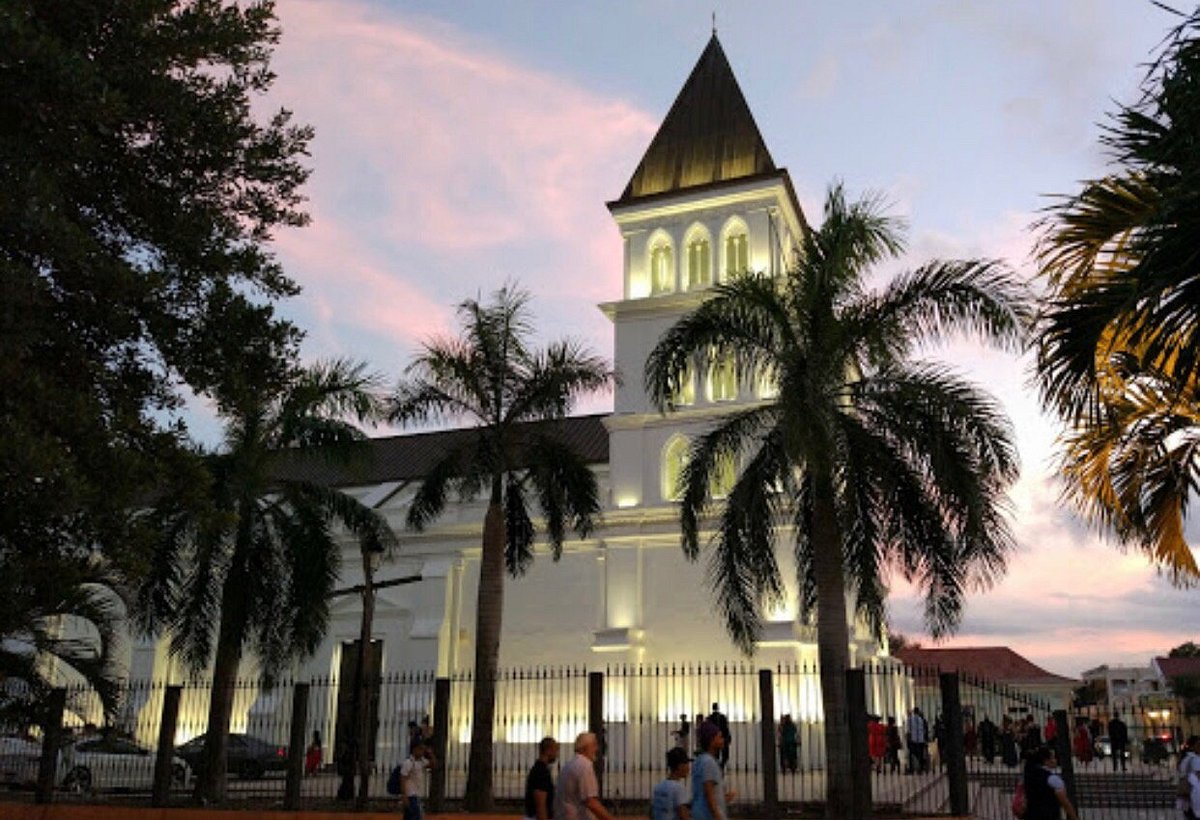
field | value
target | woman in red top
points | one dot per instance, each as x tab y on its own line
1082	742
876	742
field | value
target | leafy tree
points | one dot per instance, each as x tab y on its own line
492	376
139	189
59	621
873	461
1119	344
1185	650
247	561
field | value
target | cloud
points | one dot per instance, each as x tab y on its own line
442	169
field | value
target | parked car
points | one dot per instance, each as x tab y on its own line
19	758
249	757
108	763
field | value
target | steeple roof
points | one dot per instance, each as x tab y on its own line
709	135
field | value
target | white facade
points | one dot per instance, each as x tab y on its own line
627	594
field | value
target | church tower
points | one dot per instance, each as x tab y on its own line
705	203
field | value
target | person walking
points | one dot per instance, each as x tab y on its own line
1187	799
671	799
709	796
917	736
894	745
539	783
578	793
412	778
789	745
987	739
312	756
1118	738
1045	792
718	719
1009	754
876	742
1082	742
683	733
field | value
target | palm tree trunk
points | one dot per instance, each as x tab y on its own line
489	611
833	653
211	781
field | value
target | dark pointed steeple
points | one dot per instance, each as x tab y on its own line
709	135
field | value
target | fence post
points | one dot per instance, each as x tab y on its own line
954	755
164	757
766	699
1062	750
51	743
296	747
860	761
596	721
441	742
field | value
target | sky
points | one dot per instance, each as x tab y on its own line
460	145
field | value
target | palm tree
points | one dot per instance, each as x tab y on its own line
870	460
248	561
1119	343
492	376
60	616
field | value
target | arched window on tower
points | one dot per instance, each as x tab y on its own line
674	461
722	478
722	379
737	251
685	396
699	262
662	268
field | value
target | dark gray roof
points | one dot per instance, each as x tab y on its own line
402	458
709	135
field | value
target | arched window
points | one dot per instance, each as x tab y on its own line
685	396
766	384
662	268
737	250
674	460
699	261
722	380
722	478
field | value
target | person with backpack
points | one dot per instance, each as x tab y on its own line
1045	793
1187	796
408	779
671	799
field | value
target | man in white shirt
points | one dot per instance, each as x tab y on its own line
578	793
412	778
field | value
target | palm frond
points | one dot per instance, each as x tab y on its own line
979	297
518	528
567	489
723	444
555	379
745	318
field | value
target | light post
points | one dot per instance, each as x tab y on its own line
359	758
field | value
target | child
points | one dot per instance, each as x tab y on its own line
709	797
412	778
670	799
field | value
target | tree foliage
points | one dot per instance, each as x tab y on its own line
247	557
492	376
1119	342
869	461
139	189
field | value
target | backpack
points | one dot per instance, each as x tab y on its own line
1019	805
394	785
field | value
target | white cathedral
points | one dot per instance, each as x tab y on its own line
705	202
